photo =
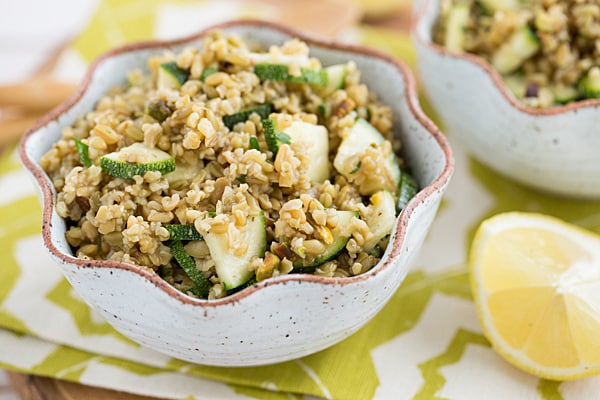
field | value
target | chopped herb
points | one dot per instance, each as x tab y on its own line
241	178
284	138
254	143
208	71
355	170
83	151
322	110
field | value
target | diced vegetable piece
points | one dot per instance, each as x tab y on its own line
408	189
170	76
356	141
262	110
207	72
381	218
521	45
182	232
281	59
187	263
589	85
456	26
136	159
316	139
339	239
159	110
233	270
272	137
516	83
491	6
336	76
183	172
564	94
83	151
280	72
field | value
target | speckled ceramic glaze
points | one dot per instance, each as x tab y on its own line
554	150
277	319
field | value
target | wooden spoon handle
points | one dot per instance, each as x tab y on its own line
35	95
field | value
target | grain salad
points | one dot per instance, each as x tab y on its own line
226	164
547	51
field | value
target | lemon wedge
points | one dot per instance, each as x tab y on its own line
536	285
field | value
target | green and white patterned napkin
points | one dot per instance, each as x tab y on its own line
426	343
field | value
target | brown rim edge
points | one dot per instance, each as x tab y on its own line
412	101
491	72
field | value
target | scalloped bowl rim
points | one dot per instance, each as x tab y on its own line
423	11
410	94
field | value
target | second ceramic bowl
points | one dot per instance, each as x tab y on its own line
554	150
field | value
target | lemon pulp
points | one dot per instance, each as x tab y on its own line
536	284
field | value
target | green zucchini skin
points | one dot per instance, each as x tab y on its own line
115	164
589	85
119	169
182	232
187	263
280	72
170	75
263	110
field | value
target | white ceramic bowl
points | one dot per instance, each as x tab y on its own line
554	150
277	319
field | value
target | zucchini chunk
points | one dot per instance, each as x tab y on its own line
233	269
355	142
316	139
381	217
136	159
458	19
336	76
589	85
170	76
337	245
183	172
187	263
491	6
516	83
263	110
521	45
563	94
281	59
408	189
